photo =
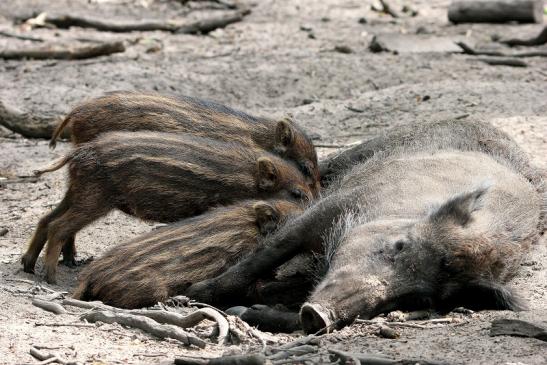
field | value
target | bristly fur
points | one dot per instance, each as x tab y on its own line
160	177
162	263
137	111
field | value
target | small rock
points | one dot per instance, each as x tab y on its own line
3	232
388	332
306	28
362	20
343	49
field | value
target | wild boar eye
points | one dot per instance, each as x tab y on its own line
305	168
299	195
399	245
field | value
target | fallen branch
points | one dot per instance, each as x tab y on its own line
539	40
27	124
64	52
164	317
500	61
39	324
20	36
516	327
20	179
48	358
49	306
208	25
495	11
204	26
353	358
298	350
388	9
467	49
146	324
89	305
251	359
189	320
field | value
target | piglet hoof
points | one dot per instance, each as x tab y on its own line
51	277
69	262
315	318
28	264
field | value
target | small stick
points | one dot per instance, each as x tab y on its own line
539	40
388	9
146	324
49	306
298	350
467	49
20	36
64	52
503	62
310	339
39	324
251	359
47	358
88	305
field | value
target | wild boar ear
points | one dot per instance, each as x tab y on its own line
459	209
267	174
266	217
284	134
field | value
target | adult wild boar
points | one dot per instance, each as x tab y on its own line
138	111
434	224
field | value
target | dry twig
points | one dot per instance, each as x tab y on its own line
20	36
49	306
63	52
538	40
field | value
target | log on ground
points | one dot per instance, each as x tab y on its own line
64	52
27	124
496	11
203	26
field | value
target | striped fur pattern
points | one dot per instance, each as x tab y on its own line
160	177
134	111
162	263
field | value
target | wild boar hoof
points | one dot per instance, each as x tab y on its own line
28	264
236	311
315	318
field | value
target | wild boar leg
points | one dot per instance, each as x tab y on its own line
69	253
87	207
40	235
304	233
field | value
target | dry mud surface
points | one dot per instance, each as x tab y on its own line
279	60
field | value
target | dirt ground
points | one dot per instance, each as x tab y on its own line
279	60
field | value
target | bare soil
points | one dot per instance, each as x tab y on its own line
279	60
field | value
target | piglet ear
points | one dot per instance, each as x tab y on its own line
459	209
284	133
267	174
266	217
